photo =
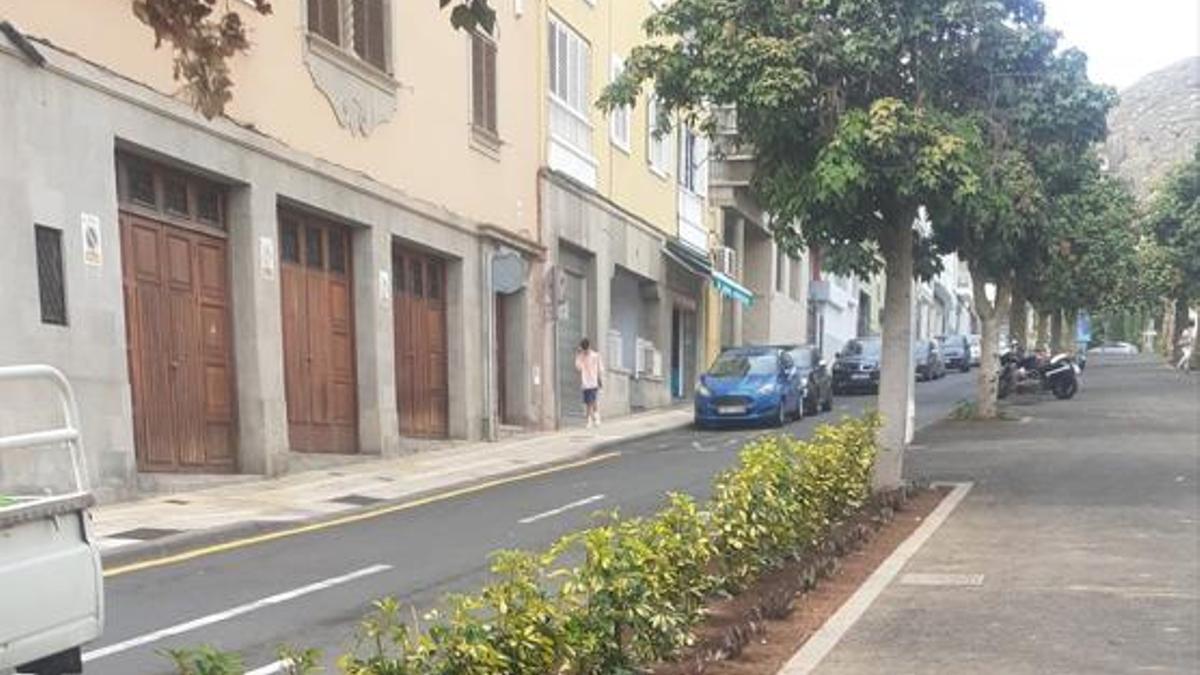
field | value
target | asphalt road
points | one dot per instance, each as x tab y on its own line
311	589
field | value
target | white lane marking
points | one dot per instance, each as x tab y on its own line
271	668
826	638
231	613
562	509
941	579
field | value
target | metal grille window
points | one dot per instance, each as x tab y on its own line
52	290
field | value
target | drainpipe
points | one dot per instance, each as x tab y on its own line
489	333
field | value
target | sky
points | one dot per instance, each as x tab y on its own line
1126	39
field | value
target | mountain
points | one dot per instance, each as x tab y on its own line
1155	125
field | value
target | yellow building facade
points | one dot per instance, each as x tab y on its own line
625	216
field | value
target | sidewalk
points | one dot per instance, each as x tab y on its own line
165	524
1075	551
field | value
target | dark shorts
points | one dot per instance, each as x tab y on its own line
589	395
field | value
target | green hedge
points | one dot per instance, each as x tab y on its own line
629	592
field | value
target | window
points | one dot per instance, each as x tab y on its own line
657	143
359	27
171	193
369	23
692	162
619	117
483	84
323	19
51	286
337	252
140	184
175	196
570	87
289	242
314	252
208	204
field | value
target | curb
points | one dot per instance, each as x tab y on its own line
184	541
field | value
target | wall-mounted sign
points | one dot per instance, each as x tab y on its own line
508	271
385	286
93	251
266	258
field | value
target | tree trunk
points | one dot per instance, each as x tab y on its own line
1180	324
1167	334
896	375
989	339
1056	331
1043	328
1018	318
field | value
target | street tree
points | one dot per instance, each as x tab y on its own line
856	113
1093	250
1173	224
203	40
1036	117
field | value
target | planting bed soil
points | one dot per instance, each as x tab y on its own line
758	630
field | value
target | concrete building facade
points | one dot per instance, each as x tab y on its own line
625	219
295	278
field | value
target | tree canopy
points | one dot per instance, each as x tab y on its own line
1173	224
859	113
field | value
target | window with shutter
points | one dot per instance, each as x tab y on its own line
323	19
483	84
369	31
359	27
619	117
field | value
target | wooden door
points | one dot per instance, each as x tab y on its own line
179	352
318	334
422	393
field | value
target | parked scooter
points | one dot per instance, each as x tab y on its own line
1019	373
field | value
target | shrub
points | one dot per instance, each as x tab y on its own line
628	592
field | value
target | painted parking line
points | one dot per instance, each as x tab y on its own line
562	509
827	637
188	626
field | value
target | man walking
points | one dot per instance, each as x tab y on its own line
587	362
1187	342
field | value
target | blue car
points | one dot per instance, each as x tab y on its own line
749	385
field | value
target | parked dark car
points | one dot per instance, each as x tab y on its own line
856	367
928	360
816	384
749	384
956	352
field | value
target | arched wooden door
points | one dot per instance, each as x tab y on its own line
419	294
318	334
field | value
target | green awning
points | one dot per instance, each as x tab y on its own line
691	259
730	288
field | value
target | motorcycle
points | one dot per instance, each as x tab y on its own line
1058	374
